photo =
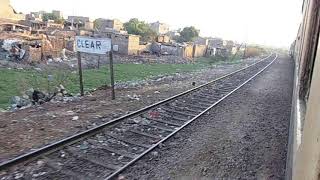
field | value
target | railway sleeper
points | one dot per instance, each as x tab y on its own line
129	141
172	111
184	108
120	153
145	134
92	160
63	171
208	97
165	122
202	101
184	104
159	127
170	116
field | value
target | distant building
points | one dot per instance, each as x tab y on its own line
7	26
215	43
201	41
159	28
228	44
103	24
78	19
163	39
216	47
7	11
78	22
34	24
173	34
35	20
38	16
34	16
52	25
57	13
127	44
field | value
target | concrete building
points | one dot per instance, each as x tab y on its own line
7	11
159	28
34	16
215	43
181	50
127	44
163	39
35	24
52	25
216	47
78	22
216	51
78	19
57	13
173	34
39	15
103	24
7	26
228	44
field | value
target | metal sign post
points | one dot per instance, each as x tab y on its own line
80	73
98	62
100	46
113	96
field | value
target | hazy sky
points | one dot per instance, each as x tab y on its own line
269	22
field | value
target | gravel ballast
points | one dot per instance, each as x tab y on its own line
42	125
243	137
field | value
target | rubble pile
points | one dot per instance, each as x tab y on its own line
28	48
61	95
35	97
153	80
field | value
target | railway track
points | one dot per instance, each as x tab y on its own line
105	151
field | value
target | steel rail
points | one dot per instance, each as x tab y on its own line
186	124
79	136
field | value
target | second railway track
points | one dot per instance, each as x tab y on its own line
105	151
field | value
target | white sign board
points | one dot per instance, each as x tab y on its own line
93	45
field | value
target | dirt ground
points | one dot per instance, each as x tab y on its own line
244	137
34	127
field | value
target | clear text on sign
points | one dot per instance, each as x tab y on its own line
93	45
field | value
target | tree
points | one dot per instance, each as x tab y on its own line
50	16
188	34
97	24
134	26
